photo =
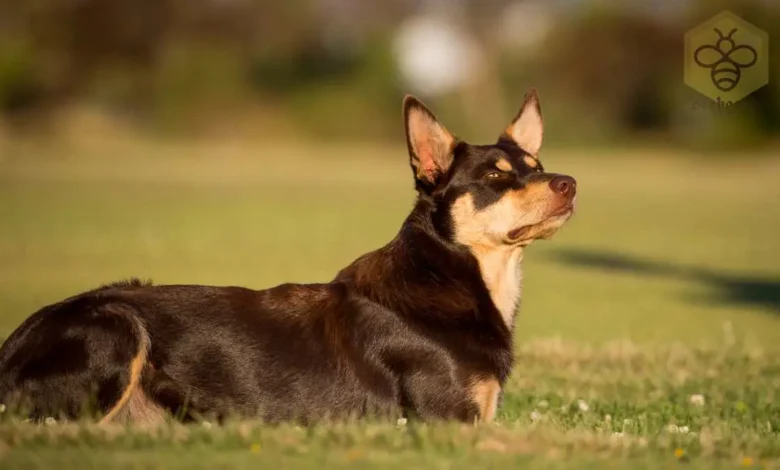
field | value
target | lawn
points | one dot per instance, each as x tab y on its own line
665	285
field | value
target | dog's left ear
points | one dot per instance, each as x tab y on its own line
527	128
430	143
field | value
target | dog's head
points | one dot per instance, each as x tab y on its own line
488	196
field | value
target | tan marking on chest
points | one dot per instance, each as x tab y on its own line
500	268
485	392
499	264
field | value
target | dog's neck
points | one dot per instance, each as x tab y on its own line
421	270
502	274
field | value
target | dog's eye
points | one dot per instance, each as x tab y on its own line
493	174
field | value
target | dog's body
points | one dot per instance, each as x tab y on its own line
421	326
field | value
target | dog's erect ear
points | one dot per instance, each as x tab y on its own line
430	144
527	128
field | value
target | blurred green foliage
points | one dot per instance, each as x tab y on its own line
608	71
17	77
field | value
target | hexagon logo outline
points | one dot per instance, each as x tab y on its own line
726	58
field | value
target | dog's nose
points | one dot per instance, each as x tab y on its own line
566	186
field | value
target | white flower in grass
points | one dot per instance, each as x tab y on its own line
535	416
2	408
674	429
49	421
583	406
608	418
401	422
697	399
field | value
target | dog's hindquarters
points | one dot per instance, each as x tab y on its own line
82	357
134	405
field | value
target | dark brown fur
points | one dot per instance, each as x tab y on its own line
421	326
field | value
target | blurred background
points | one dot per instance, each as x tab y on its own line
254	142
609	70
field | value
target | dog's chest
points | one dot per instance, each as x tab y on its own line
501	271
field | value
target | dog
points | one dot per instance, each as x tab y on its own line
421	328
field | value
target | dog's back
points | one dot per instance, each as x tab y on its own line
290	352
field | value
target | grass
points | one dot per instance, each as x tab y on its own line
665	285
570	406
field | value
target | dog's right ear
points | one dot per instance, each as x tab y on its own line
430	143
527	128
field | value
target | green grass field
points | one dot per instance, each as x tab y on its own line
665	285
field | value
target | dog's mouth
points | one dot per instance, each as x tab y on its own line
565	209
542	229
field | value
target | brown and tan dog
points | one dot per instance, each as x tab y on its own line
421	326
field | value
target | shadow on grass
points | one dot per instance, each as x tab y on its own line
760	292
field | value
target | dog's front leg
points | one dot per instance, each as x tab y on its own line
435	395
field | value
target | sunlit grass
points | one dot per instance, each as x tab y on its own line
567	405
262	216
637	344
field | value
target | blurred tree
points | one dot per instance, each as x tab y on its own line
606	69
620	62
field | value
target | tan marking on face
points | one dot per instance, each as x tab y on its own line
504	165
485	392
531	161
486	231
